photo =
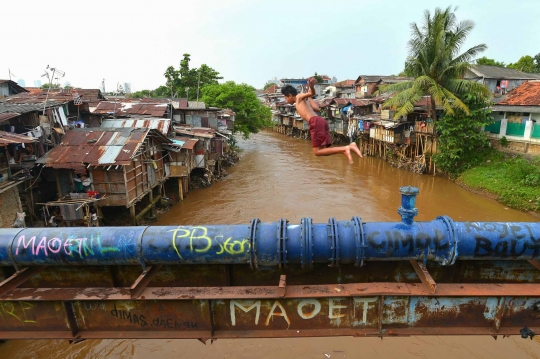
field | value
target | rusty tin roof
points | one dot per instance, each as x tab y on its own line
161	124
158	109
7	138
99	147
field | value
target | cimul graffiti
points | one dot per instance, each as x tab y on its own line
200	242
391	241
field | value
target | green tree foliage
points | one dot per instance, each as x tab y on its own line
490	62
269	84
184	81
525	63
537	63
143	94
251	114
437	66
319	78
462	143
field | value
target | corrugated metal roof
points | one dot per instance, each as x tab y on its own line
196	131
533	109
196	105
160	124
22	108
388	124
6	116
360	103
131	108
7	138
57	95
180	104
189	143
98	147
15	87
503	73
526	94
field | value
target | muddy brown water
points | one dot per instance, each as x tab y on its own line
278	177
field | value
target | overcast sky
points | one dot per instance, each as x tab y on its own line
247	41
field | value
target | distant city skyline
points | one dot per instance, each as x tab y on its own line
21	82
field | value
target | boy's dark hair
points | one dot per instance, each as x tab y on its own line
288	90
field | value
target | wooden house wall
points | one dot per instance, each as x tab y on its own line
391	135
181	163
140	175
136	179
111	186
64	182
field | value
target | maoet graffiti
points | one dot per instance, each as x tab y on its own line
267	314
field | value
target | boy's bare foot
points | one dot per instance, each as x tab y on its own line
356	150
348	154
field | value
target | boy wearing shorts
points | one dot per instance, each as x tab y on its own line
321	139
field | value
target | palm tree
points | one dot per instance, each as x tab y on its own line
437	66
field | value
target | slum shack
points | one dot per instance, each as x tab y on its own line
10	202
123	166
182	162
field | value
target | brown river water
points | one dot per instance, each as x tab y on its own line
278	177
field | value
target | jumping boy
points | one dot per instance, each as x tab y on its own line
321	139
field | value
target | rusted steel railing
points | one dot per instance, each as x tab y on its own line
272	279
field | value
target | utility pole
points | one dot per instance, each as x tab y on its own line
198	85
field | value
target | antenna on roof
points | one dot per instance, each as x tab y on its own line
51	77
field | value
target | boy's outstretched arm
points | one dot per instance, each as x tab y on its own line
310	93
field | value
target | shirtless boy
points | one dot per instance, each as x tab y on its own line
321	139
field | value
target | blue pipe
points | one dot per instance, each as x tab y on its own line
276	244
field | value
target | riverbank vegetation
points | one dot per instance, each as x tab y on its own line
512	179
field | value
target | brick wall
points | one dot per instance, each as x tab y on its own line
10	204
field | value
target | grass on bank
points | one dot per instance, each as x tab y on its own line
514	179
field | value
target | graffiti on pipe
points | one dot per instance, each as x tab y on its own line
73	246
201	242
512	240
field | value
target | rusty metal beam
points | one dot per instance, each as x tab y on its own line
19	278
534	263
274	292
370	332
143	280
501	305
72	321
424	275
